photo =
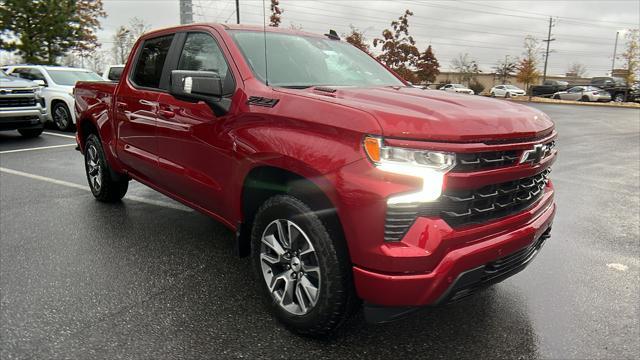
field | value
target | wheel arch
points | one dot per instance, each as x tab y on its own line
265	181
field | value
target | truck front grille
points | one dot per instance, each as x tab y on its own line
476	161
7	102
465	207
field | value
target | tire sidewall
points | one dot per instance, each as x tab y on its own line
288	207
93	140
68	115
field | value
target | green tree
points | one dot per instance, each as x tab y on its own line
41	31
399	51
428	66
357	39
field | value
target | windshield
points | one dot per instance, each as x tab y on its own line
70	77
304	61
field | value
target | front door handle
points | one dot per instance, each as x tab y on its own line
166	114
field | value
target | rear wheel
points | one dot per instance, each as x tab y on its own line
62	117
557	97
304	278
493	94
31	133
104	185
619	97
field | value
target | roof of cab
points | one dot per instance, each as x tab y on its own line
224	27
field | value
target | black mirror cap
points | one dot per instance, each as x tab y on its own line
196	85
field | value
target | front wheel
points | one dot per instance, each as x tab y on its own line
507	95
104	185
305	279
62	117
585	98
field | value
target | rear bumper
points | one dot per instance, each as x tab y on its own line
461	270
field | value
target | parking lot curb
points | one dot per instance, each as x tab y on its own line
567	102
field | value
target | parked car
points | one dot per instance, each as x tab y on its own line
583	93
112	72
616	87
58	83
506	91
457	88
549	87
339	179
22	107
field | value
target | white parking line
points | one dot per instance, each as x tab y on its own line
86	188
35	148
61	135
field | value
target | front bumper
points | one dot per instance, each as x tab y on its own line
20	118
438	285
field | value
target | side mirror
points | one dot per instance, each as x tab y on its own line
40	82
196	85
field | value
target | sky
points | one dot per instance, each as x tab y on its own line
584	30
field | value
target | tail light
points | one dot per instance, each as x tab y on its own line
595	93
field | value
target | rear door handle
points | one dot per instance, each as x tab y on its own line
121	105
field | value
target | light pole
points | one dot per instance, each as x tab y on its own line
615	48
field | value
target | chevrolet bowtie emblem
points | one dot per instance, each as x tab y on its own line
535	155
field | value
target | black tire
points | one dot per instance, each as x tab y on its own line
61	117
31	133
557	97
105	185
585	98
493	94
619	97
507	95
336	299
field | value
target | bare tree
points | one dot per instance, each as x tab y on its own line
505	68
466	67
577	69
125	37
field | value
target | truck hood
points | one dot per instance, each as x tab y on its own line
410	113
12	82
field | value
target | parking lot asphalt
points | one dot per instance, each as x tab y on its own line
149	278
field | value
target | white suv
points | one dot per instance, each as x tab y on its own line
58	83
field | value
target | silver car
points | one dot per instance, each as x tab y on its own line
583	93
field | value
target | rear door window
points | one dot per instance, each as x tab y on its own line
150	64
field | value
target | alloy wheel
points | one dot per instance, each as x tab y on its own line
289	265
94	169
61	117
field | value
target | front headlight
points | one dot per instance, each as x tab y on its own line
430	166
38	92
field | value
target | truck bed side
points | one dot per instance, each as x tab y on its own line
94	108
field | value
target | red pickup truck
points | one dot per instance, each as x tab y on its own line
344	184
